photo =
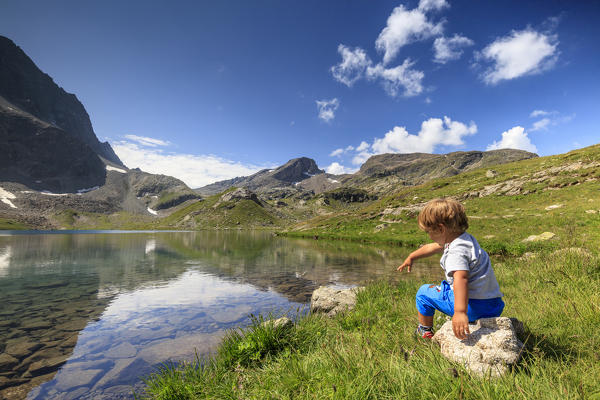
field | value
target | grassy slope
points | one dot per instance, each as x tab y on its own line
371	353
510	219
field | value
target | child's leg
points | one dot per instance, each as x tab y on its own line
430	298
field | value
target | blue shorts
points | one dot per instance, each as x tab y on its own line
432	297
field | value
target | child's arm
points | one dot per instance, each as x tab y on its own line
460	321
424	251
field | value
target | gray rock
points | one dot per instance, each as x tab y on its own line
238	194
283	323
491	347
332	301
21	349
46	365
7	362
542	237
490	173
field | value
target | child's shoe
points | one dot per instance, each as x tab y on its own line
425	332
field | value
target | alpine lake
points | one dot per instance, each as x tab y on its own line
88	314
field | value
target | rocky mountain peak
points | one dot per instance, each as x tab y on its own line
27	88
297	170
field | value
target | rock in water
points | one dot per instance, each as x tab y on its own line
491	347
332	301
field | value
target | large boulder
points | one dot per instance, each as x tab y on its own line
332	301
491	347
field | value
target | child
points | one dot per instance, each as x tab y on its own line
470	290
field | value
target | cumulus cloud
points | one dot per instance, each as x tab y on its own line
397	78
434	132
147	141
327	109
521	53
447	49
514	138
338	169
194	170
362	146
407	26
353	65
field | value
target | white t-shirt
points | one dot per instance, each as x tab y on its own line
465	254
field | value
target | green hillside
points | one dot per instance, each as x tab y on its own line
559	194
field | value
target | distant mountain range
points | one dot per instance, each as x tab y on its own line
55	173
399	169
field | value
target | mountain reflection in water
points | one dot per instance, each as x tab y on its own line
85	315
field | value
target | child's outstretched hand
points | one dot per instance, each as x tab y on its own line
460	325
406	264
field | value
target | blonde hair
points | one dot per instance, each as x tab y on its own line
447	212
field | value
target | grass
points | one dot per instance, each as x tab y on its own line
10	225
371	352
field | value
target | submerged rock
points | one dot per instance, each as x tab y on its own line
491	347
332	301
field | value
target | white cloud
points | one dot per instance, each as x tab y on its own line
514	138
327	109
147	141
361	157
551	118
402	76
194	170
362	146
338	169
339	152
448	49
434	132
521	53
353	65
539	113
541	124
407	26
427	5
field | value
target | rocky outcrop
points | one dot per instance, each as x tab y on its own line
28	89
416	168
491	348
44	157
332	301
238	194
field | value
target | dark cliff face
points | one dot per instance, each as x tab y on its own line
25	87
44	157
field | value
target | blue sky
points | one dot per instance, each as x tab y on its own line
206	91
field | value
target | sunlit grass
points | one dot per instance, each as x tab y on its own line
371	352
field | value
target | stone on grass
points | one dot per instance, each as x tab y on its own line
554	207
490	173
542	237
332	301
283	323
491	347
